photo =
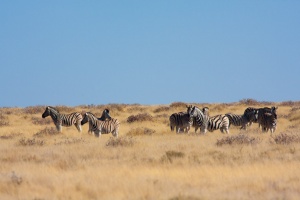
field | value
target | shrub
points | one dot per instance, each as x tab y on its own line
162	109
117	107
4	123
123	141
139	118
65	109
141	131
285	139
249	102
136	108
10	136
31	142
34	110
46	131
178	105
71	141
3	120
290	103
238	139
171	155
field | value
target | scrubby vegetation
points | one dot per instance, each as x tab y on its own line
147	160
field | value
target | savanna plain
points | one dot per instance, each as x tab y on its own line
147	160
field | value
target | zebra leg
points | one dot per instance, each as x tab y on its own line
244	127
78	126
226	130
59	128
203	130
188	129
97	133
172	128
115	133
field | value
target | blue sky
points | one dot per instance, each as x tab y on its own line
148	52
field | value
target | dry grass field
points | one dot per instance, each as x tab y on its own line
147	160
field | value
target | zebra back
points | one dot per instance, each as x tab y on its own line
179	121
109	126
236	120
218	122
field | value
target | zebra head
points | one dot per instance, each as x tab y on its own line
191	111
251	115
194	111
205	110
273	111
88	117
47	112
105	115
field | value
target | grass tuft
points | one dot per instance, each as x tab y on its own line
140	131
285	139
34	110
139	118
124	141
46	131
171	155
238	139
31	142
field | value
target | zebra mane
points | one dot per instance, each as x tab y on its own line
52	108
198	110
91	114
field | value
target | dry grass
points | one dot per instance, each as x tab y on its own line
147	160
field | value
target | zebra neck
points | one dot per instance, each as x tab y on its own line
55	115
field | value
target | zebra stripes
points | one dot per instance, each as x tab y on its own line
242	120
267	118
208	123
101	127
180	121
63	119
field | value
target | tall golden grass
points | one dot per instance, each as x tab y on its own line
147	160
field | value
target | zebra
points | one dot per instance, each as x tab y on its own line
267	117
242	120
180	121
208	123
101	127
63	119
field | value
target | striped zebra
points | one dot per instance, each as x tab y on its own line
180	121
242	120
63	119
101	127
267	118
208	123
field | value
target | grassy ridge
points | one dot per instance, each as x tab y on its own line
148	161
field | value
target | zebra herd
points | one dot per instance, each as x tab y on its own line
199	118
97	126
181	122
